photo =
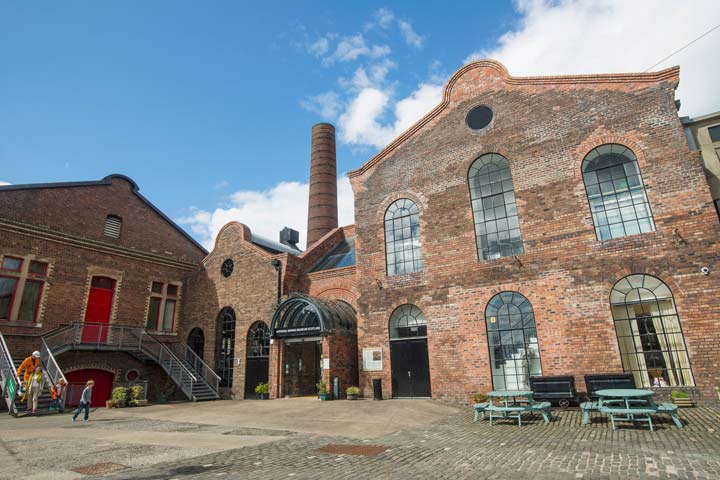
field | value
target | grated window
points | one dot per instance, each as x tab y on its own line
112	226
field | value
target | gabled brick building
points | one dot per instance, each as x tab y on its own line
525	226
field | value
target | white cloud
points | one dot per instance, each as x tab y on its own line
266	212
361	123
326	104
363	79
319	47
596	36
409	35
4	183
352	47
383	19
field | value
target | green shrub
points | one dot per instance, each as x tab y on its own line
136	392
262	388
479	397
353	390
119	394
321	387
679	394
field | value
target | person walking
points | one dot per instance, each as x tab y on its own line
35	388
58	396
85	401
28	366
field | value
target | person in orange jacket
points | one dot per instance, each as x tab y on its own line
57	392
29	365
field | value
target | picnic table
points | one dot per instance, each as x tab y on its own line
629	405
512	404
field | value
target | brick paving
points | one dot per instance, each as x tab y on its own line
455	447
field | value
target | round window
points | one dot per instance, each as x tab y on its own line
132	375
227	267
479	117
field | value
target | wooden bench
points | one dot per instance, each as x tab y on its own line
586	408
670	409
663	409
479	409
518	410
629	415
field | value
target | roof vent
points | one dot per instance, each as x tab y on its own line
289	237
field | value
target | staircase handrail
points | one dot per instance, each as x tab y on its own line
7	370
208	374
50	337
169	352
51	367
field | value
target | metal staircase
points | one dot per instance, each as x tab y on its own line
193	376
10	383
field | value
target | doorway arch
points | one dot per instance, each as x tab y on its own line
409	358
257	361
196	341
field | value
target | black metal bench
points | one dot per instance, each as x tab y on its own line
604	381
557	389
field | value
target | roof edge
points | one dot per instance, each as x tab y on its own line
645	77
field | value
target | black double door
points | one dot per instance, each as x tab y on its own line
256	372
410	368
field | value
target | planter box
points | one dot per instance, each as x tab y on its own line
352	397
323	396
140	403
683	402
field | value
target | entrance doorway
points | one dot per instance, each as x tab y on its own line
100	392
302	367
257	361
99	308
409	360
196	341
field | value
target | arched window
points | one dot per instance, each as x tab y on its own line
616	192
196	341
497	229
258	340
512	338
225	346
652	346
407	321
113	224
402	237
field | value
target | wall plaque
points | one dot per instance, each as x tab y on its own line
372	359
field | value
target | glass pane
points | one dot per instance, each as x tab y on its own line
30	301
157	287
103	282
153	312
172	290
169	315
10	263
38	268
7	289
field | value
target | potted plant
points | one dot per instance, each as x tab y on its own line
352	393
262	390
136	394
681	399
119	396
165	391
478	398
322	390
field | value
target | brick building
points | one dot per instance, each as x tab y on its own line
525	226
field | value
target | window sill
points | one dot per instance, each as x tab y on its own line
7	323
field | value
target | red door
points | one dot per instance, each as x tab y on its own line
101	391
99	306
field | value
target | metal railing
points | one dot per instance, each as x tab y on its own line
185	353
9	381
52	370
102	336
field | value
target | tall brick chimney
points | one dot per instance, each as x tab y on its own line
322	205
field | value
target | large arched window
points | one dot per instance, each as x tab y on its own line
402	237
258	340
497	229
407	321
512	338
225	346
652	346
616	192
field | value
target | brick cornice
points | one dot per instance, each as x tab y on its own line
77	241
669	74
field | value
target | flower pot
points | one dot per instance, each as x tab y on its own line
323	396
109	404
350	396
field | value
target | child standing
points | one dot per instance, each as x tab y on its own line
85	402
58	396
35	387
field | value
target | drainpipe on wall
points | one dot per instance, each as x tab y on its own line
278	268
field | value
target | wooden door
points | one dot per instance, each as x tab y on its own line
99	308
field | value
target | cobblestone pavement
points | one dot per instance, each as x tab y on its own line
457	448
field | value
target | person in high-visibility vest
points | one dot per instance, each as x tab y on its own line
28	366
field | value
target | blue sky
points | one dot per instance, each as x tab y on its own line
208	105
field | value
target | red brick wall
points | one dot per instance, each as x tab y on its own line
544	130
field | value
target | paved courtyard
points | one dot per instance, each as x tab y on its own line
304	438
